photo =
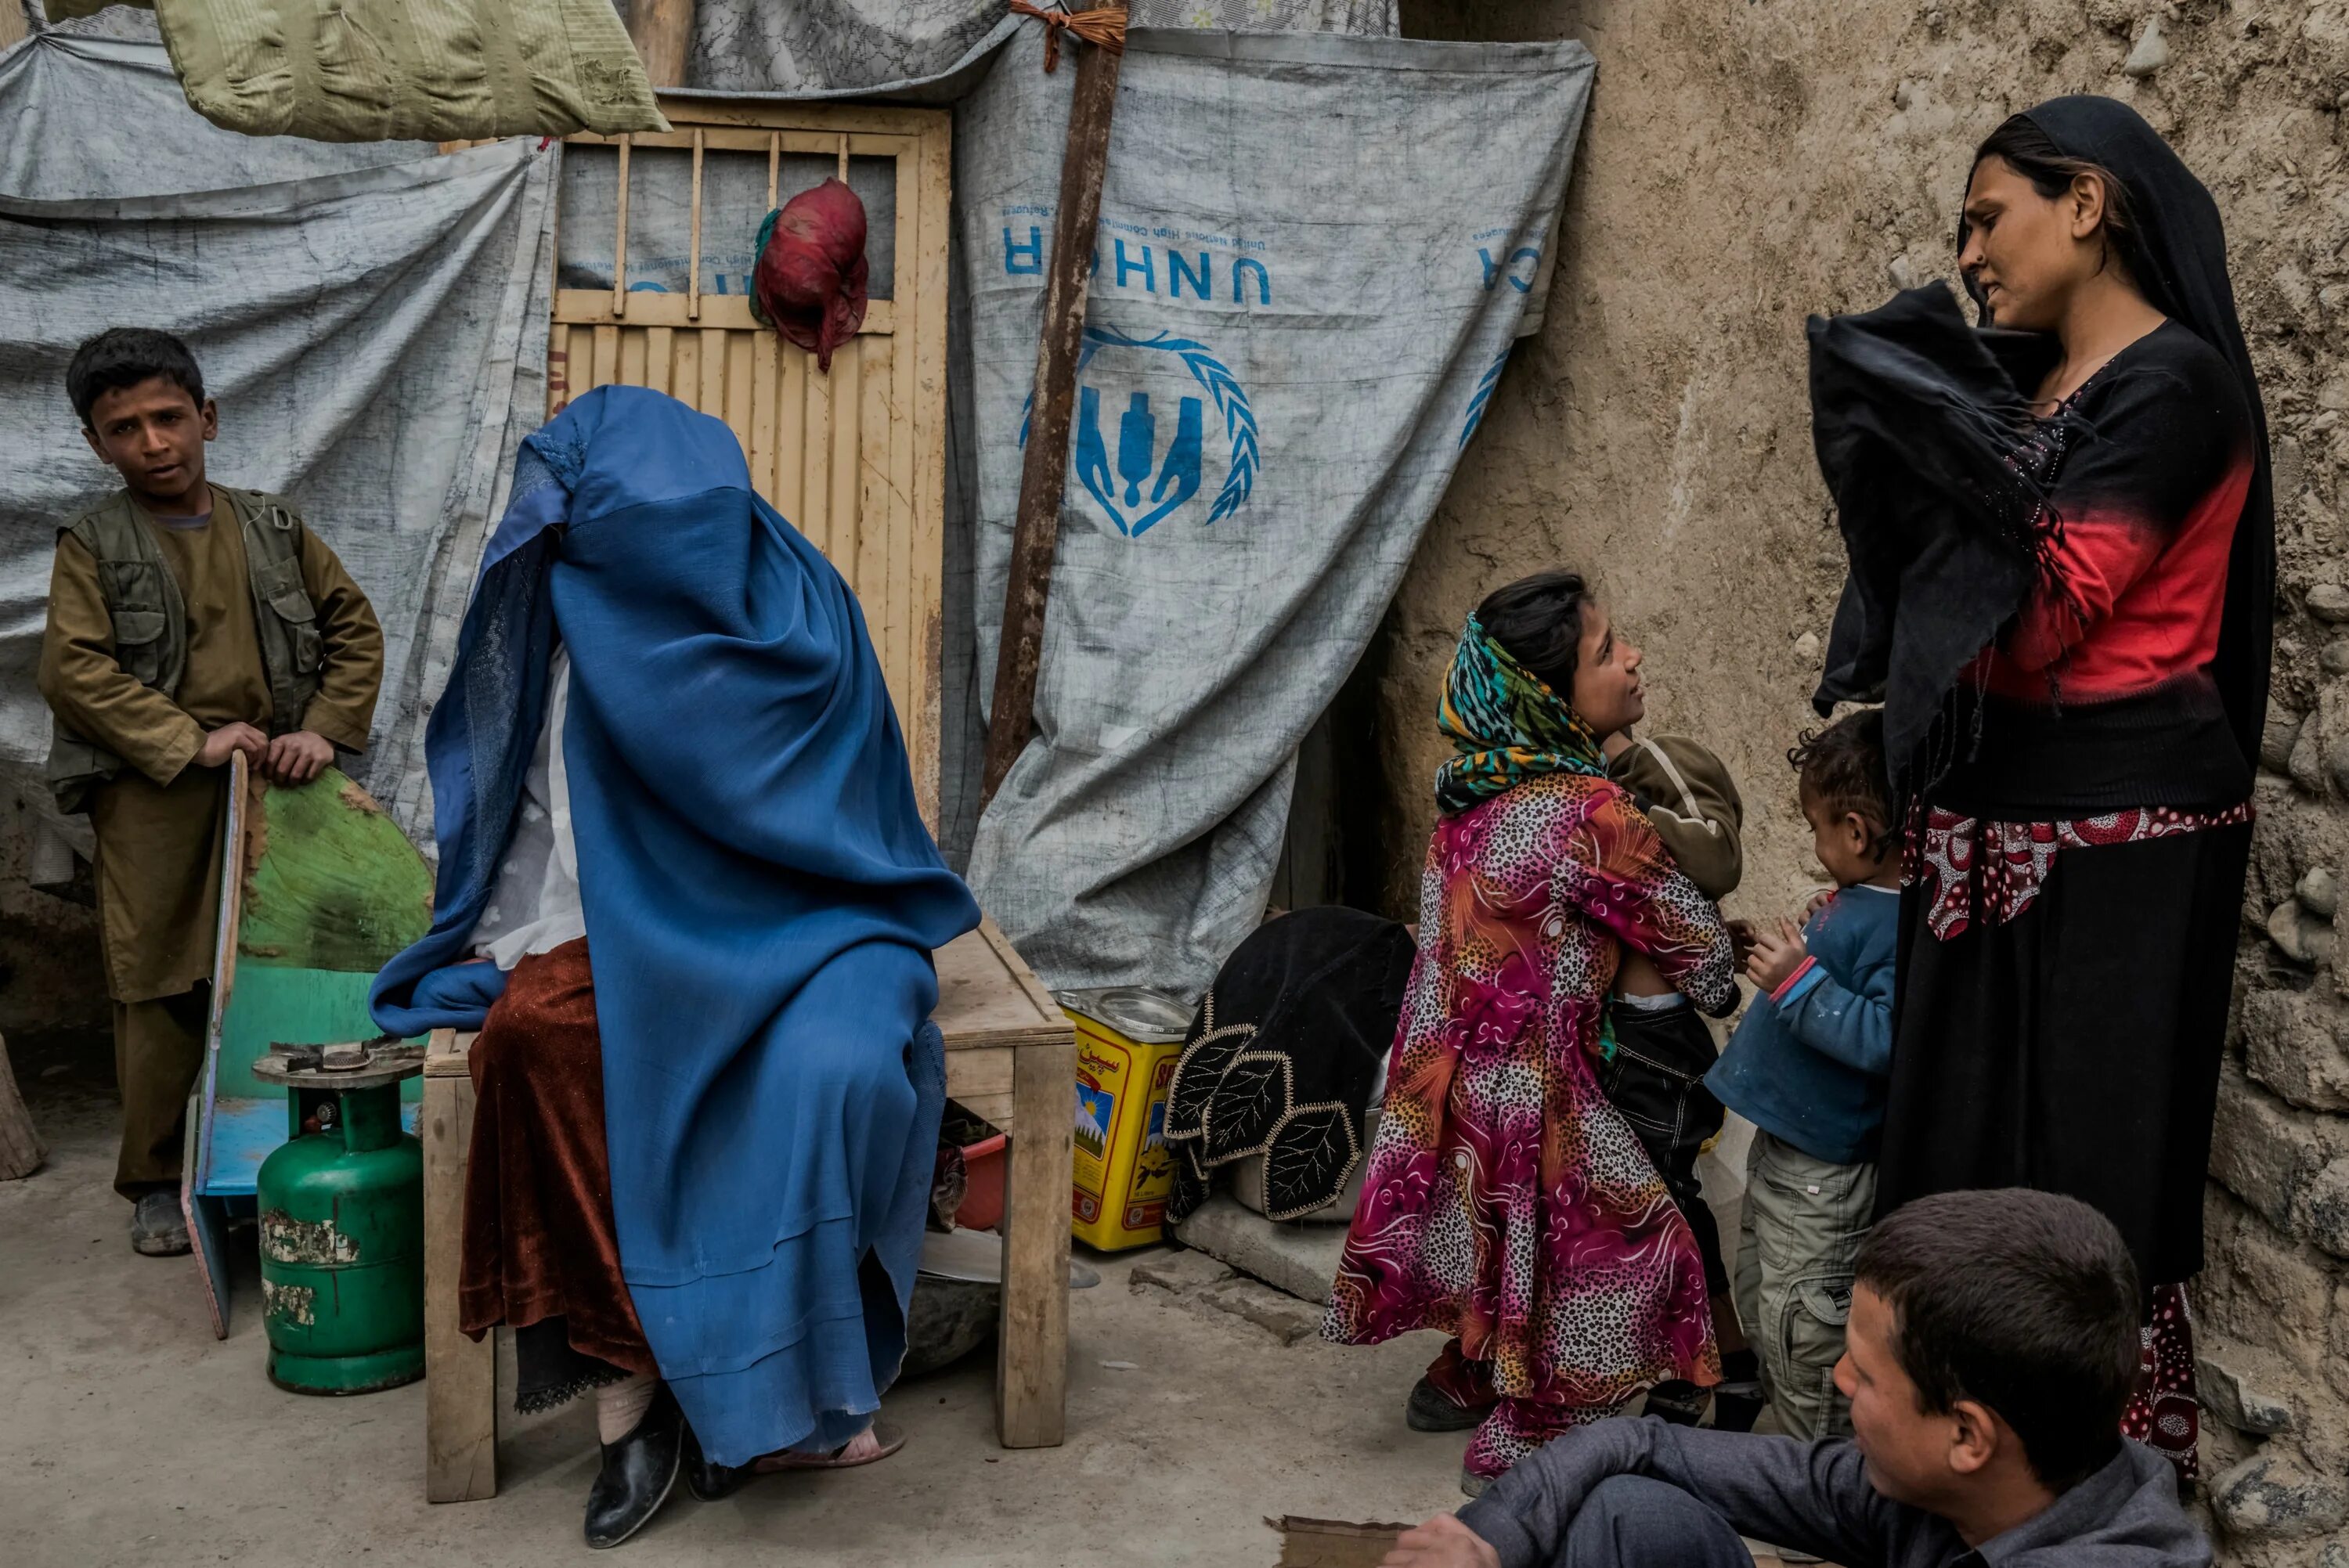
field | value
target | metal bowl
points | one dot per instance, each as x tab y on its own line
949	1319
959	1297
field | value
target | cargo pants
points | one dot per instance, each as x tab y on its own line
159	1049
1804	1219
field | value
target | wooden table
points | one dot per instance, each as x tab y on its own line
1011	1057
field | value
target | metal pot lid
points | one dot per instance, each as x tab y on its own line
976	1257
339	1065
1138	1012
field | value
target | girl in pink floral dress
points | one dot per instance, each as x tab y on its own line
1508	1202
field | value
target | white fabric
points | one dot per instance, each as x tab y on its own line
534	907
1662	1002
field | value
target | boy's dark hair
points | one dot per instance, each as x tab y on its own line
1842	768
2024	1301
1539	620
124	357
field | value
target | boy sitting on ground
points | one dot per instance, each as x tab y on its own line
1992	1345
1809	1066
189	622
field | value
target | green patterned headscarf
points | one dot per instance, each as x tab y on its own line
1506	725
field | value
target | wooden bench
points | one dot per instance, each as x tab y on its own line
1011	1057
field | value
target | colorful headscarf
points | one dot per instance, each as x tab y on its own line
1506	725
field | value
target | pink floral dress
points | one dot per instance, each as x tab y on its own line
1506	1201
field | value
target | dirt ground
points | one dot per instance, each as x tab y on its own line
129	1434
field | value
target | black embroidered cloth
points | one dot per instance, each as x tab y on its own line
1281	1056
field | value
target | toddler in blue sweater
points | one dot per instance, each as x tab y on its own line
1809	1066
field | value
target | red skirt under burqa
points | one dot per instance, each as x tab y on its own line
540	1252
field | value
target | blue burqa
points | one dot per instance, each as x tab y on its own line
761	901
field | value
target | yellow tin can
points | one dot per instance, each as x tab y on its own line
1128	1039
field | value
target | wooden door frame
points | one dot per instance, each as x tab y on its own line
906	617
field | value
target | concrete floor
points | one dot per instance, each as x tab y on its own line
131	1436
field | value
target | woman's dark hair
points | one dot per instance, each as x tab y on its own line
2024	1301
1538	620
1842	768
2033	153
123	356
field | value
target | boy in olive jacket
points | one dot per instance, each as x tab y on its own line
187	622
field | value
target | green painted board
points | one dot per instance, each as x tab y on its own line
331	882
322	891
271	1003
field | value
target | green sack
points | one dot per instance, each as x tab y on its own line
427	70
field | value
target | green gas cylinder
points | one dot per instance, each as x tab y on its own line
342	1223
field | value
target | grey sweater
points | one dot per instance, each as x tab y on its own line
1815	1498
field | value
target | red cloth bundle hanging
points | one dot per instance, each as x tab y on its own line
810	281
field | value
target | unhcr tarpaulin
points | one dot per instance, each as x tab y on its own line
1313	255
1314	252
371	318
809	48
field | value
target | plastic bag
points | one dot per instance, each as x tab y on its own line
810	281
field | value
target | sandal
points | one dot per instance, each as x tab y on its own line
873	1444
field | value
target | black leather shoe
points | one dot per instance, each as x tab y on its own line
639	1472
708	1481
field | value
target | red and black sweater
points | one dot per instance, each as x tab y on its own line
2100	697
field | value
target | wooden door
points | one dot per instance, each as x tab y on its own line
654	238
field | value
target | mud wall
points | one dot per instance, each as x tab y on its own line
1750	162
50	977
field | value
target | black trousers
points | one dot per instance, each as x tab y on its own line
1656	1078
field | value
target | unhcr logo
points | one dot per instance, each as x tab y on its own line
1141	447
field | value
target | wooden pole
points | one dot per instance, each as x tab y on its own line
662	31
1044	467
20	1146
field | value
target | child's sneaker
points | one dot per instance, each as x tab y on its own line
1679	1402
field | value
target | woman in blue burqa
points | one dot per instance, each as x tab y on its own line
687	898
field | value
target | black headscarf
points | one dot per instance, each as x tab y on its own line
1915	421
1913	417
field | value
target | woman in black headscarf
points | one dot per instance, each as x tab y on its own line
2062	537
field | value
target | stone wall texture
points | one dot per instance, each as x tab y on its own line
1748	162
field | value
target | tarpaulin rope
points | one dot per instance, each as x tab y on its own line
1104	27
